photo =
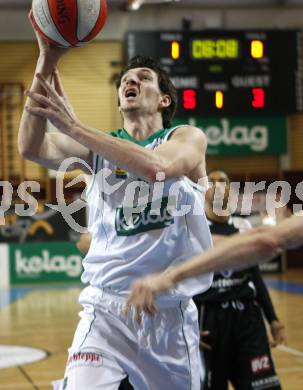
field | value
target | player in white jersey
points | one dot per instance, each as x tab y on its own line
146	214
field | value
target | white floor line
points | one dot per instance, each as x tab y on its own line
291	351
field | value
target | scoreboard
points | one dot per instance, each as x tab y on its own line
232	72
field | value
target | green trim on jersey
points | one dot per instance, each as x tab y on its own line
95	169
123	134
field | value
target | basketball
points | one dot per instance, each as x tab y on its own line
67	23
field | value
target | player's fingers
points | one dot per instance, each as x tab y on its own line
41	99
154	308
39	111
204	345
150	309
138	315
48	88
149	305
47	113
61	102
126	310
273	344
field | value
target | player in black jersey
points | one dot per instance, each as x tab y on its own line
235	344
256	246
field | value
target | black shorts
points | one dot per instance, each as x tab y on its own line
240	350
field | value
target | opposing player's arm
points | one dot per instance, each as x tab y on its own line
277	329
263	296
219	238
253	247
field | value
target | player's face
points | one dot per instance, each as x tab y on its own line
139	91
219	184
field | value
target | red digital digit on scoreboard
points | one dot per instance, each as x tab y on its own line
189	99
258	98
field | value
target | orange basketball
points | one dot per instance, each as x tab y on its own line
67	23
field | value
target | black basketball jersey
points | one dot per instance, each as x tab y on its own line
230	285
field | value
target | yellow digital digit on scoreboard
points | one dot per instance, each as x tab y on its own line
208	49
232	48
257	49
219	99
175	50
221	48
203	49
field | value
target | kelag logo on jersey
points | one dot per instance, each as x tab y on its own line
128	223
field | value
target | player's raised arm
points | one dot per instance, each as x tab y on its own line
139	95
184	153
47	149
256	246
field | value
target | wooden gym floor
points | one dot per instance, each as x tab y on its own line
46	317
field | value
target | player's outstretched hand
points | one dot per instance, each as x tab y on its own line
55	106
52	52
278	334
143	292
203	335
290	232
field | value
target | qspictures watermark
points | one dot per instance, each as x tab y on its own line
140	201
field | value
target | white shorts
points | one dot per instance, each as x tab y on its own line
160	354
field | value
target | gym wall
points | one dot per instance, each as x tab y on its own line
88	80
87	72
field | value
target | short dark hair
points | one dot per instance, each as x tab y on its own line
165	84
219	170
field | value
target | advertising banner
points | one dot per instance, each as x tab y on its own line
243	135
44	262
45	225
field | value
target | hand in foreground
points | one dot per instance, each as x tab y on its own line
143	293
290	231
203	344
277	331
46	49
55	106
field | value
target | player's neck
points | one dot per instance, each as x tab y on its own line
141	127
222	218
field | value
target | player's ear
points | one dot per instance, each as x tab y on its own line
165	101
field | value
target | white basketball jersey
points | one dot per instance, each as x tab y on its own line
140	228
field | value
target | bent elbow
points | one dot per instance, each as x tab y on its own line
25	153
28	153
